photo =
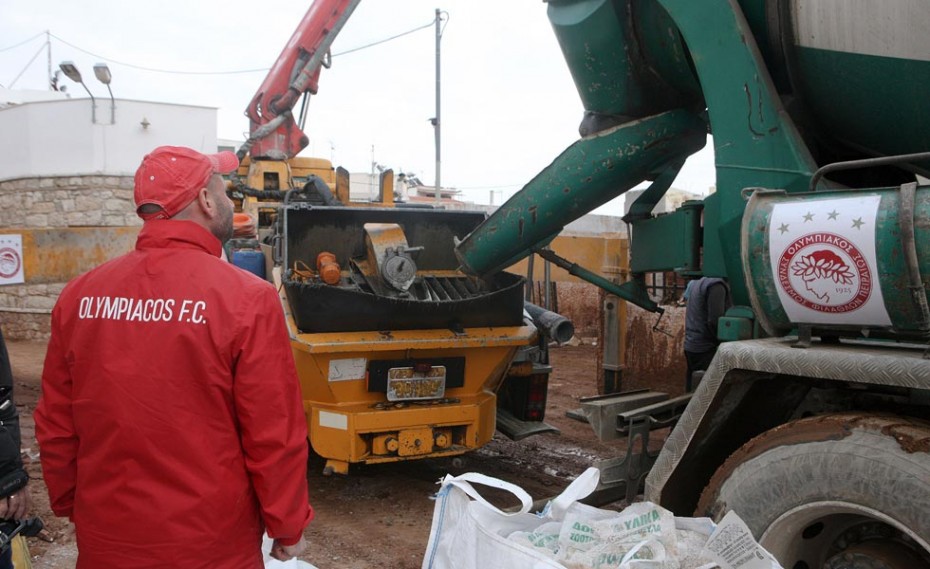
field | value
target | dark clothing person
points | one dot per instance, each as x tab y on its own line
708	300
13	478
11	465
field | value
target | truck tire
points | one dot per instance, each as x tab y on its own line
845	491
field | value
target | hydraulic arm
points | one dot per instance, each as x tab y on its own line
273	132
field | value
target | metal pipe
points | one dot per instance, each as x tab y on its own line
553	325
632	291
530	280
93	104
589	173
112	105
261	133
547	280
865	163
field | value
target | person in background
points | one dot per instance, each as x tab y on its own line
14	496
171	423
707	300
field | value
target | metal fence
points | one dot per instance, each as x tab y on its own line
666	288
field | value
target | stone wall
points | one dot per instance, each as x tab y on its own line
31	324
74	201
34	204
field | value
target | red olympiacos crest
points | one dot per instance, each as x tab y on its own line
10	262
825	272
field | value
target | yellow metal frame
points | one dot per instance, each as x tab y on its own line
349	424
287	170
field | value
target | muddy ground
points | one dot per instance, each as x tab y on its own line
378	516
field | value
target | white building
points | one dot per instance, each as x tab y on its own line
48	135
66	187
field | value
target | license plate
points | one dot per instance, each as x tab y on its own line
405	384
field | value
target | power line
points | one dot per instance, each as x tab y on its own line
233	72
156	70
402	34
22	42
41	49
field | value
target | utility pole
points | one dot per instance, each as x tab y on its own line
371	180
48	45
436	120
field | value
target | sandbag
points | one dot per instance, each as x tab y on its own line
468	532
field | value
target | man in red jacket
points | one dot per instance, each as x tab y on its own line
171	423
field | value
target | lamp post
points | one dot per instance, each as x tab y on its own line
71	71
103	75
102	72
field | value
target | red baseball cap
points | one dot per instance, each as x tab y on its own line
171	176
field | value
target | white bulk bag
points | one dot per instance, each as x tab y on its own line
468	532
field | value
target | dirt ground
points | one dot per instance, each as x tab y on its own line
377	516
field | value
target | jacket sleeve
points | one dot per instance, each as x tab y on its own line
273	429
55	424
11	464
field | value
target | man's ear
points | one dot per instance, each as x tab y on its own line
206	203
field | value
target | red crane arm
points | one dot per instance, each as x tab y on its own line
273	133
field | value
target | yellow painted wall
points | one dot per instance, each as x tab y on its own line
59	254
605	254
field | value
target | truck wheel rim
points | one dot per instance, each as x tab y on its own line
818	534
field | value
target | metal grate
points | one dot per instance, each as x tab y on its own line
438	289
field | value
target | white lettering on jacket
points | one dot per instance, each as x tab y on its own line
142	309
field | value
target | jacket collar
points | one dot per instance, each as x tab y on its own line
175	234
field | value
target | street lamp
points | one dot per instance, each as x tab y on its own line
102	72
103	75
71	71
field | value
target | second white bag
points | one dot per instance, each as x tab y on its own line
468	532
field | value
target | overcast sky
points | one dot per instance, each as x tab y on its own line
509	106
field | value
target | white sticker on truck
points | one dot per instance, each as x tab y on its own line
822	254
347	369
334	420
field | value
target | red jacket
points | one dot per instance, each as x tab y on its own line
171	424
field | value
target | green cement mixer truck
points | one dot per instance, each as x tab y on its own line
812	421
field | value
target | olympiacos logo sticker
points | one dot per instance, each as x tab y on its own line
822	255
10	263
11	259
826	273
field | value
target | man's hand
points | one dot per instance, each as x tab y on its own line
285	552
16	505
